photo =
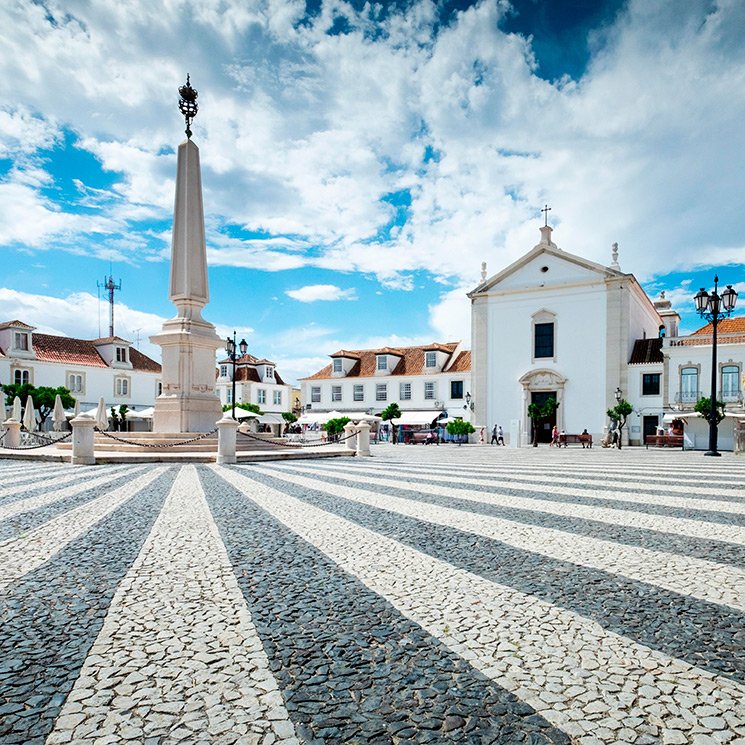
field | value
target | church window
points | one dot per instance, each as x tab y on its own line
544	340
337	365
21	341
651	384
430	359
456	389
381	392
315	394
405	392
544	269
358	393
689	385
335	393
730	379
21	377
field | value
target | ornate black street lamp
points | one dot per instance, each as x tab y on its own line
230	348
712	307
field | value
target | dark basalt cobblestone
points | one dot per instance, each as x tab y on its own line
700	548
42	489
704	634
18	525
50	617
352	669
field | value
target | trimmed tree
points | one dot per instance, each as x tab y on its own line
335	426
43	397
538	413
289	417
620	413
391	412
703	407
460	428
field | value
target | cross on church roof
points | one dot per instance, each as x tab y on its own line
546	210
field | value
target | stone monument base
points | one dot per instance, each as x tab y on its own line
186	413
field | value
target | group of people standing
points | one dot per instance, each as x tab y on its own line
497	435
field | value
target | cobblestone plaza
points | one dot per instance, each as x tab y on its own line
436	594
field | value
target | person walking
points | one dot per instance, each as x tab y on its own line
494	435
500	436
554	437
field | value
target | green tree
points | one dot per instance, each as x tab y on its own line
391	412
335	426
620	413
43	397
289	417
703	407
538	413
460	428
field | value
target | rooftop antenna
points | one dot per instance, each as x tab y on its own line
110	286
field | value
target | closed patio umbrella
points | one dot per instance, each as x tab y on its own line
102	419
16	409
58	416
29	416
76	410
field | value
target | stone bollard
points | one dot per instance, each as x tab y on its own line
82	440
350	441
363	439
13	438
227	428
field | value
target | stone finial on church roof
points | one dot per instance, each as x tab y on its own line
546	231
483	271
614	263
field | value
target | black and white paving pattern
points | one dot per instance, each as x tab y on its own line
430	594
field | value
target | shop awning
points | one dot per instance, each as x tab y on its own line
416	417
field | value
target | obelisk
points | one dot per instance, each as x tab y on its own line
188	402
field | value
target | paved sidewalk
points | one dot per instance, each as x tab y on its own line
436	594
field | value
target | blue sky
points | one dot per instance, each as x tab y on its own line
360	161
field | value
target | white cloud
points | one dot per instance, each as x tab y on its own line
312	293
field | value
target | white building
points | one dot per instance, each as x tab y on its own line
553	324
110	368
256	382
424	381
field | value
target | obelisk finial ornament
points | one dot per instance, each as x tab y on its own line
188	104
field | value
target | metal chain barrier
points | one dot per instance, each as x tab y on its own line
313	444
156	445
46	441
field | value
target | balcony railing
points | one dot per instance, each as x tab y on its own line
687	397
730	397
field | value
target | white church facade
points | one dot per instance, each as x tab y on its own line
553	324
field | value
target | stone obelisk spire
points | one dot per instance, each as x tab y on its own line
188	402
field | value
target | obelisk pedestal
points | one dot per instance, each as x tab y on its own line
188	402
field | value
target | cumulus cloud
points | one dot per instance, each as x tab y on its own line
312	293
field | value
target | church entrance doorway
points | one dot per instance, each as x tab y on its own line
545	425
650	426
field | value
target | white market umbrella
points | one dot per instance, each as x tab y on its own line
29	416
58	416
102	419
16	409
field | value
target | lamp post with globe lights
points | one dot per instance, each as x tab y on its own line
712	307
231	349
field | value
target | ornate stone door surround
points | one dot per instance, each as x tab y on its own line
542	380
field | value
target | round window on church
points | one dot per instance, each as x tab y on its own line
544	268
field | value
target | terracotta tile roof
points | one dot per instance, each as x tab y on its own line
725	326
244	359
411	362
68	351
245	373
277	379
646	351
437	347
345	353
23	325
110	340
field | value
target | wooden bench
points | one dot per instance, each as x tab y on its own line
425	437
584	440
665	441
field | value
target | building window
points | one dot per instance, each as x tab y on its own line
122	387
689	385
230	395
223	371
261	396
651	384
121	354
405	391
381	392
21	341
277	398
430	391
159	388
21	377
382	362
337	365
456	389
269	372
315	395
430	359
730	379
335	393
75	383
544	340
359	393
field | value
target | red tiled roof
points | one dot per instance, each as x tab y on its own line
23	325
436	347
411	362
725	326
69	351
345	353
110	340
646	350
142	362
